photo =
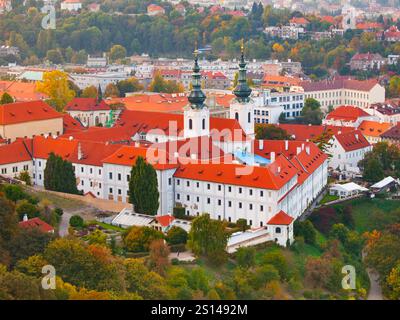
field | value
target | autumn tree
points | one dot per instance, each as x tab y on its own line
129	85
89	92
159	256
208	238
111	91
176	235
143	188
117	52
138	239
159	84
55	86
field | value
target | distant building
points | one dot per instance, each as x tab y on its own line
29	119
94	7
285	32
71	5
101	79
392	34
5	6
155	10
35	223
89	111
215	80
97	62
8	51
344	91
393	59
392	135
348	116
367	61
299	22
373	130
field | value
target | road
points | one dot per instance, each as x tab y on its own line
64	224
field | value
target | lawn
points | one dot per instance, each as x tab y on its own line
363	208
328	198
107	226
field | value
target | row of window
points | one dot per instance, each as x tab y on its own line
219	202
14	169
219	187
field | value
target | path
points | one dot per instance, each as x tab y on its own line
183	256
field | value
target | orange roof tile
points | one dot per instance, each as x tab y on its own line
165	220
36	223
71	124
373	128
86	104
347	113
352	140
305	132
281	218
20	112
14	153
21	91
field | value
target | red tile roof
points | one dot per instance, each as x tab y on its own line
280	81
273	176
87	104
21	91
281	218
347	113
20	112
367	56
14	153
305	132
369	25
299	20
36	223
373	128
165	220
393	133
352	140
71	124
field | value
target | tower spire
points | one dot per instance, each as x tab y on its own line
242	90
196	96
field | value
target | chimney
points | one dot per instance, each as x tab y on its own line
71	138
298	150
80	153
193	156
286	145
25	218
302	146
272	157
356	135
308	150
137	144
176	154
260	144
339	132
279	169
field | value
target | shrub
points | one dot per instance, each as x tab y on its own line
324	219
306	230
245	257
176	235
242	224
179	212
76	221
59	211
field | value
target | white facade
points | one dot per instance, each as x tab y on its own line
98	79
244	114
196	122
12	170
71	5
90	118
269	106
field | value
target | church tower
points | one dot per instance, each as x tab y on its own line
196	114
242	108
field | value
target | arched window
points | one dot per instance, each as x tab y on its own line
249	117
237	116
190	124
278	230
204	124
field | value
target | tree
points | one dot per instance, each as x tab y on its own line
24	207
245	257
54	56
76	221
311	112
323	141
111	91
143	188
97	237
394	86
8	220
117	52
393	282
373	171
159	256
176	235
14	193
89	92
25	176
129	85
306	230
6	98
55	86
59	175
208	238
159	84
271	132
278	260
138	239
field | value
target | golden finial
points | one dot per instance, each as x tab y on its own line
242	46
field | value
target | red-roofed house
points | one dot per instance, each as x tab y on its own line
299	22
14	159
372	130
348	116
281	227
155	10
36	223
27	119
345	91
369	26
89	111
71	5
347	150
392	34
215	80
367	61
71	125
21	91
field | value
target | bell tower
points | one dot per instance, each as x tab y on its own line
196	114
242	107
